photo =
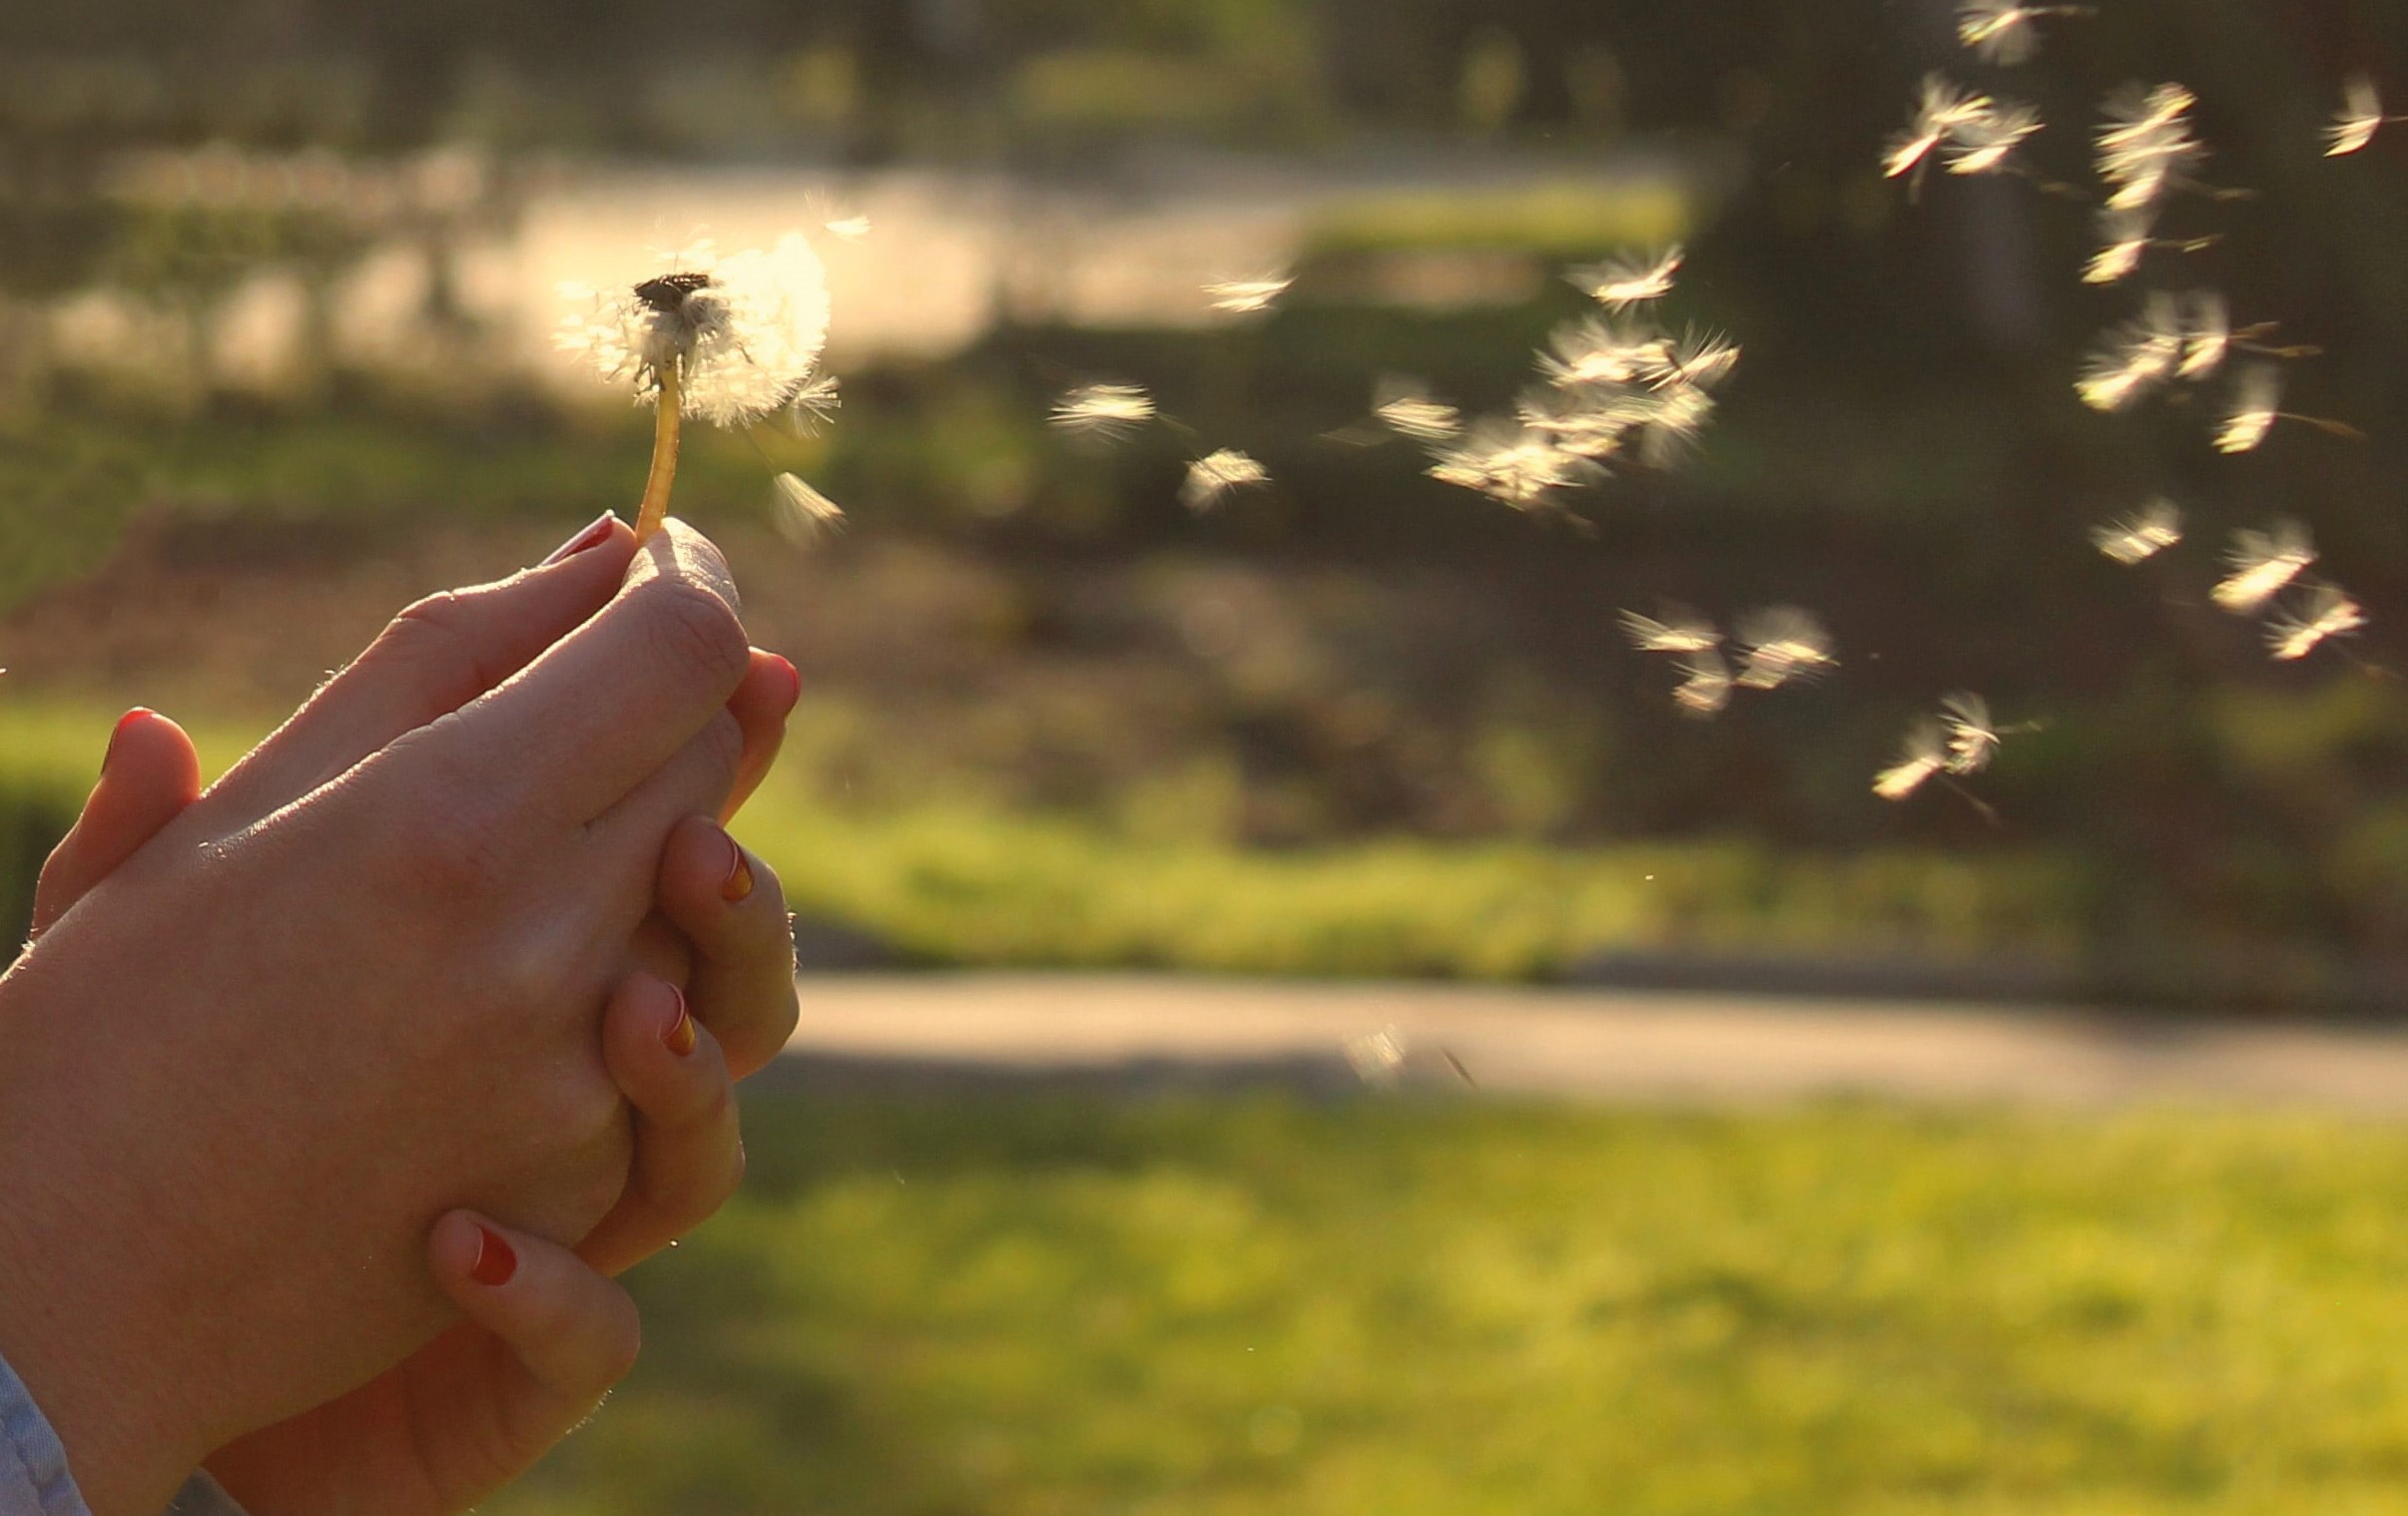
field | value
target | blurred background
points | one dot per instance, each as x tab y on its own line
277	280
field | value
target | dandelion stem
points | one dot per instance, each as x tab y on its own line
655	508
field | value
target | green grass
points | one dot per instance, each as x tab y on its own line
1059	1305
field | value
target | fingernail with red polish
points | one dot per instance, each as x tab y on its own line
794	680
496	1262
738	882
123	721
679	1038
592	537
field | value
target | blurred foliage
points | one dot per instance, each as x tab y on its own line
1059	1304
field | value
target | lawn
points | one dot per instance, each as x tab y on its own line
1066	1305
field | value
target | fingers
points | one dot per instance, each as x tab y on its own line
147	776
761	705
617	699
436	656
689	1150
732	909
572	1332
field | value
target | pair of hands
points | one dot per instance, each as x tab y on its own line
282	1047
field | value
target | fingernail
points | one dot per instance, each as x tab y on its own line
679	1039
123	721
592	537
495	1260
794	680
738	882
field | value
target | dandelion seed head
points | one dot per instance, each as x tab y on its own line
2140	536
1213	476
1973	737
2360	117
1248	296
2262	564
2256	403
1623	282
1921	758
804	515
1104	410
1784	644
2324	614
1682	631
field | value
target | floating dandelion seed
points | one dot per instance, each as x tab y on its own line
2003	32
805	515
2135	358
1587	421
1973	737
1404	408
1622	282
1922	758
2132	539
2325	613
1705	688
1594	350
1682	631
1515	464
1104	410
2256	402
1940	114
1700	358
1248	296
2360	117
1215	475
850	228
732	340
2147	143
1784	644
2126	235
2207	337
1670	420
2262	565
1987	142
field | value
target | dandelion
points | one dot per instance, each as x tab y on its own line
1973	737
1103	410
2262	565
1783	644
2135	538
1623	282
2327	613
2361	116
2147	143
732	340
804	515
2003	32
1518	465
2135	358
1404	408
1922	758
1248	296
1943	110
1705	688
1682	631
1215	475
1987	142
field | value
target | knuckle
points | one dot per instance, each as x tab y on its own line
620	1342
429	641
696	631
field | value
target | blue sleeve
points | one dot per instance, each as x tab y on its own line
34	1480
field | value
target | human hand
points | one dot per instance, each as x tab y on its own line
370	954
546	1335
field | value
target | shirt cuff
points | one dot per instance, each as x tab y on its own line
33	1462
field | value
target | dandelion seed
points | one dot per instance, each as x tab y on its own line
1595	351
2135	358
2147	143
2327	613
804	515
1702	359
850	228
2126	235
2256	402
1986	144
1520	466
1622	282
1248	296
1378	1058
2262	565
1670	420
1940	111
731	340
1682	631
1104	410
2003	32
1215	475
1973	737
1404	408
2135	538
1589	421
1784	644
1705	688
2207	337
2360	117
1921	758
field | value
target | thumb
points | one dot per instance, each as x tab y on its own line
147	776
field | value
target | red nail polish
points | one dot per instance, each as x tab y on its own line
738	882
592	537
495	1260
794	680
123	721
679	1039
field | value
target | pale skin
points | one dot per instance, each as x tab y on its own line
277	1052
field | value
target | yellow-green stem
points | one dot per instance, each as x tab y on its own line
655	508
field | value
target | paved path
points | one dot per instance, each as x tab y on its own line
1634	1046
